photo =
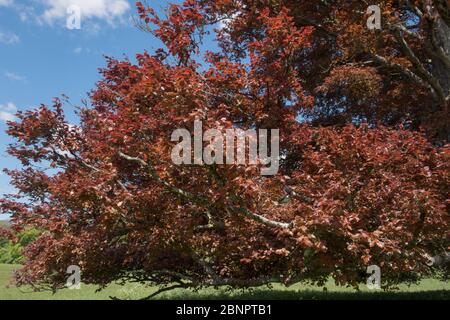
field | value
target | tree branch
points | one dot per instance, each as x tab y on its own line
405	71
155	176
261	219
424	73
178	286
200	199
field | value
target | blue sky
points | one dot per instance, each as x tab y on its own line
40	58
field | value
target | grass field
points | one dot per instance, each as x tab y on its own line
428	289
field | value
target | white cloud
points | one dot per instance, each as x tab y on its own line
82	50
7	112
108	10
15	77
6	3
225	22
9	37
9	107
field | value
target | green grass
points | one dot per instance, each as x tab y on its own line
427	289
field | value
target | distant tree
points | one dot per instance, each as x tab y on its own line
12	244
358	184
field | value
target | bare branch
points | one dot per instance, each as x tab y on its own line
155	176
261	219
405	71
211	225
178	286
201	200
424	73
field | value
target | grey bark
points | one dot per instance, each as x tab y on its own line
440	69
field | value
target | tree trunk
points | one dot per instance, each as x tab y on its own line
441	71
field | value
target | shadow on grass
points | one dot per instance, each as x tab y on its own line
309	295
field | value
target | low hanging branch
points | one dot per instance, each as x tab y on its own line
201	200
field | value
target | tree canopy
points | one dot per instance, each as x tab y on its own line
364	167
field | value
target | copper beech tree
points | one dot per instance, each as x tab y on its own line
364	160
